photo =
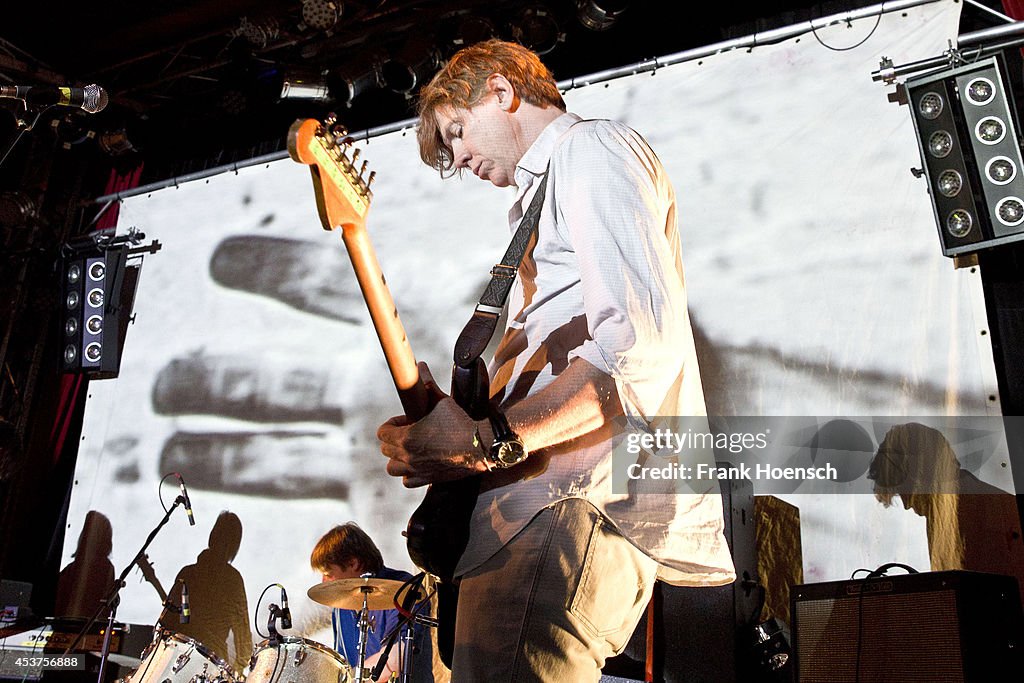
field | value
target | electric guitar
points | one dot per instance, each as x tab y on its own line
438	529
149	574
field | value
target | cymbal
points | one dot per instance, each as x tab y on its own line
348	593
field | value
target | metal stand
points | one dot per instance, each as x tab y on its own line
407	652
364	628
113	598
22	128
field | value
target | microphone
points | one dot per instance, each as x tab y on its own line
188	503
92	98
186	613
286	614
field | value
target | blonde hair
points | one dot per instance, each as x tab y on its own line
462	83
917	462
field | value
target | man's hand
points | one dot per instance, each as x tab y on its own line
437	448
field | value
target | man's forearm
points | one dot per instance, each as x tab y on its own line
580	400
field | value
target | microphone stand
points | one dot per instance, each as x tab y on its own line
407	652
113	598
22	128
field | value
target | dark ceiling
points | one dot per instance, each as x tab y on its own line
202	79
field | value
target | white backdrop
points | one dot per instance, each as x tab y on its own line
814	273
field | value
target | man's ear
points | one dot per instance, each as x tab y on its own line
354	565
508	100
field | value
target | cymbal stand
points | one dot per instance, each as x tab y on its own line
364	628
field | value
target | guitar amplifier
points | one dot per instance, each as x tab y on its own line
952	626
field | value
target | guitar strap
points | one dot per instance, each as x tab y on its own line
478	331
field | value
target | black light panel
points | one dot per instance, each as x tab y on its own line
967	136
91	311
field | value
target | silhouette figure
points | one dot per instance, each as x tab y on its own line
216	596
971	525
84	584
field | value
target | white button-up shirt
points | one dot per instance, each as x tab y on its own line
603	281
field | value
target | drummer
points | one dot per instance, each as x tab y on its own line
347	552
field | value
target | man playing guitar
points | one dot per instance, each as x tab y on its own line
559	567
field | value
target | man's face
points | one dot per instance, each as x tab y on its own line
482	139
333	572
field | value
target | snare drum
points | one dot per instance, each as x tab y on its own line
174	658
297	660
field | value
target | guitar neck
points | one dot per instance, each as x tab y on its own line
342	199
384	314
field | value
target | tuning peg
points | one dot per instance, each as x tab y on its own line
355	155
369	181
330	119
339	131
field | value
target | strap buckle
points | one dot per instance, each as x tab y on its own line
503	271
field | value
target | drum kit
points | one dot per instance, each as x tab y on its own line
174	658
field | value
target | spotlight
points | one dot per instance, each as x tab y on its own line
17	208
600	15
115	142
312	88
349	82
258	34
537	29
471	30
407	69
321	15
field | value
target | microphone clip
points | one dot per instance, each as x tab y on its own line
275	637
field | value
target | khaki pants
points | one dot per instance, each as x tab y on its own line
554	603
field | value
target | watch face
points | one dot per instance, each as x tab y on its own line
509	453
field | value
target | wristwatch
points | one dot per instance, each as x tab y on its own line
507	449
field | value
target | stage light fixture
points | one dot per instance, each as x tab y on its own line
115	142
92	319
349	82
410	66
321	15
471	29
303	87
967	133
537	29
258	33
600	15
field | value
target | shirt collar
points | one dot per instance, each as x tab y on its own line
535	161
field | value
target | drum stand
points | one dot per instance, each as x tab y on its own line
364	629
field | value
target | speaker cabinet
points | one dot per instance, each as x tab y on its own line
952	626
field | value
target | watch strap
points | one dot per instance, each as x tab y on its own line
499	426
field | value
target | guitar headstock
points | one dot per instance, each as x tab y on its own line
342	187
148	573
